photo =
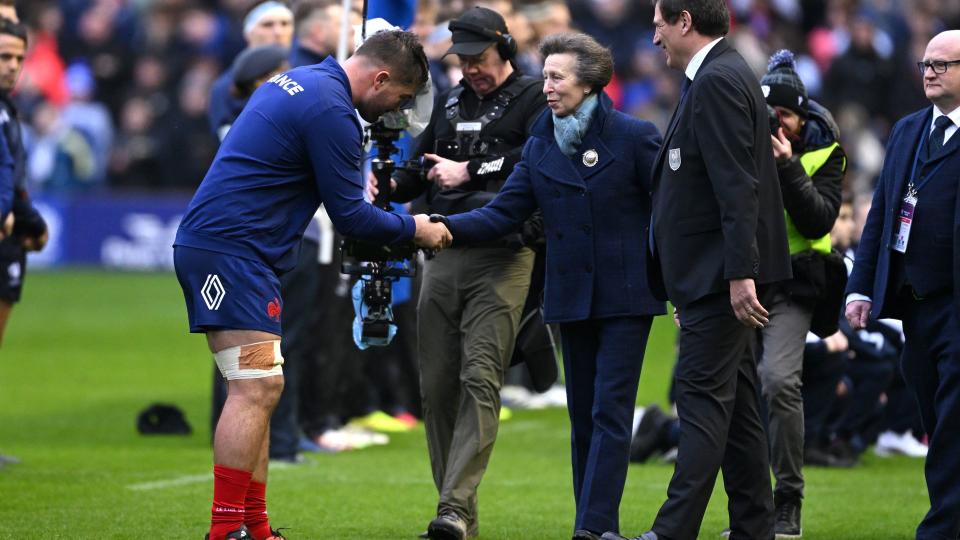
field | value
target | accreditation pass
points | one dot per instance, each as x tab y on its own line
906	220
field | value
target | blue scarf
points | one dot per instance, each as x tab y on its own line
569	130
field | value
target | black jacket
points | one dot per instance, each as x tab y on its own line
487	176
717	207
814	202
28	221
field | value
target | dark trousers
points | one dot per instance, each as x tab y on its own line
602	360
718	407
870	379
333	369
300	319
931	370
821	373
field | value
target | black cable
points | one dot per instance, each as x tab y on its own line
363	27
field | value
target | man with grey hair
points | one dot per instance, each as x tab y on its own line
716	202
914	275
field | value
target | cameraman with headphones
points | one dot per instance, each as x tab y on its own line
472	297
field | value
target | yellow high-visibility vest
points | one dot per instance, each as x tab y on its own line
811	162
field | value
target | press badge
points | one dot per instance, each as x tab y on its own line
906	220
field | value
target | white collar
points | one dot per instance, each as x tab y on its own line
694	66
954	116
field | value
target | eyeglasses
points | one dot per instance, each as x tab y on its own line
939	66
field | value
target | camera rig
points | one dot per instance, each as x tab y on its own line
379	266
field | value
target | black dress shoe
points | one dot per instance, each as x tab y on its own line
788	520
583	534
447	526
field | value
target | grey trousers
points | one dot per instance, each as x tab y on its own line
467	318
780	369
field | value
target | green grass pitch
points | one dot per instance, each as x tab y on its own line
87	350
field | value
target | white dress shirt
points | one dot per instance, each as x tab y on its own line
694	66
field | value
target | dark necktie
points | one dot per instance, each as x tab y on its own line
686	86
936	136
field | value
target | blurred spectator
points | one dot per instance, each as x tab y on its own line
266	23
90	118
62	155
866	64
135	160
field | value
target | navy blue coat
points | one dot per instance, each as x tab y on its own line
595	218
871	271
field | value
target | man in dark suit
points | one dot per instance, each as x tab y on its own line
718	235
908	267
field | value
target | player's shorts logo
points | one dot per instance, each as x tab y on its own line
13	274
274	309
213	292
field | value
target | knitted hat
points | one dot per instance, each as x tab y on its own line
782	86
255	62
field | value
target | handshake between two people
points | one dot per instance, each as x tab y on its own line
432	232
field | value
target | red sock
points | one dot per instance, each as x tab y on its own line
229	491
255	511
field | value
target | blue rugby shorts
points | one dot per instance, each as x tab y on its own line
226	292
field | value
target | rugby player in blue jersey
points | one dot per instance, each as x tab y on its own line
296	144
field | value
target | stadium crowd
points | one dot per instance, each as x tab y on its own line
115	92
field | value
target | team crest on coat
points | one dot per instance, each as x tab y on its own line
674	159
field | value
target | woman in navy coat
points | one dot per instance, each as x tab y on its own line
587	167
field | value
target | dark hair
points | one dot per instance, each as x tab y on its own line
8	3
400	52
306	9
594	66
16	30
710	17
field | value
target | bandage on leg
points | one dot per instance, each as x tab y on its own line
253	361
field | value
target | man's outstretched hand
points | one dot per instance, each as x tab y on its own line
431	235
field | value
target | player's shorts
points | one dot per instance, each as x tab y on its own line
226	292
13	266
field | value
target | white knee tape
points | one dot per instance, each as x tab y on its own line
253	361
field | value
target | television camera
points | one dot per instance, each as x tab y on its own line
379	266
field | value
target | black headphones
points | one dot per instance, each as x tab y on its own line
506	45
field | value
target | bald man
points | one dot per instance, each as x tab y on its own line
908	267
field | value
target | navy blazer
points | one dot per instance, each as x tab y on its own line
595	217
871	270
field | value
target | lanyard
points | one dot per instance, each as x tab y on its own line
912	189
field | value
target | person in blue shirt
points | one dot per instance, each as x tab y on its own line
266	23
296	144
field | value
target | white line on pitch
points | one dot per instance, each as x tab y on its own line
190	479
